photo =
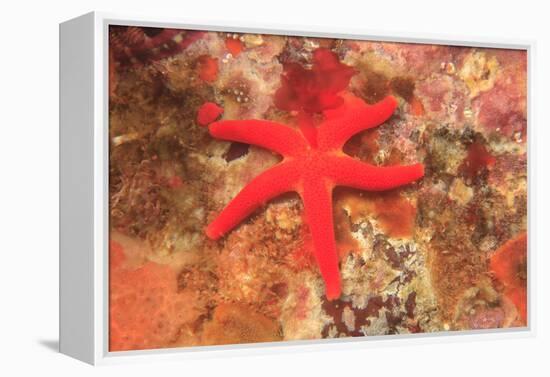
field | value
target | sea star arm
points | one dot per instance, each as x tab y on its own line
317	198
259	191
333	133
349	172
270	135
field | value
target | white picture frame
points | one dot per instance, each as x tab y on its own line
84	191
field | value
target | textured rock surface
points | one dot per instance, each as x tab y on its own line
446	253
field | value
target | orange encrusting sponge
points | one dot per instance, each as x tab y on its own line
145	309
509	264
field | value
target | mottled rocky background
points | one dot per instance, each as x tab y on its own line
445	253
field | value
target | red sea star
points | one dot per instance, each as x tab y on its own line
312	166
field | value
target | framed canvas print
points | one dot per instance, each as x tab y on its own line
235	189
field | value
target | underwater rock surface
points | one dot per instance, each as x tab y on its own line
445	252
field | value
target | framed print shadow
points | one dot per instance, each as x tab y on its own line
226	188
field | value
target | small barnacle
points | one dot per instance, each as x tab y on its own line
460	193
238	90
252	40
448	67
227	57
468	113
310	45
122	139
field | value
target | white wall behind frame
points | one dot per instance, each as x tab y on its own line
28	152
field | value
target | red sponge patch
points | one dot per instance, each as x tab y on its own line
316	89
208	113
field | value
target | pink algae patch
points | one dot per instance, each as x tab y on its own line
302	307
145	308
436	93
504	107
498	110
